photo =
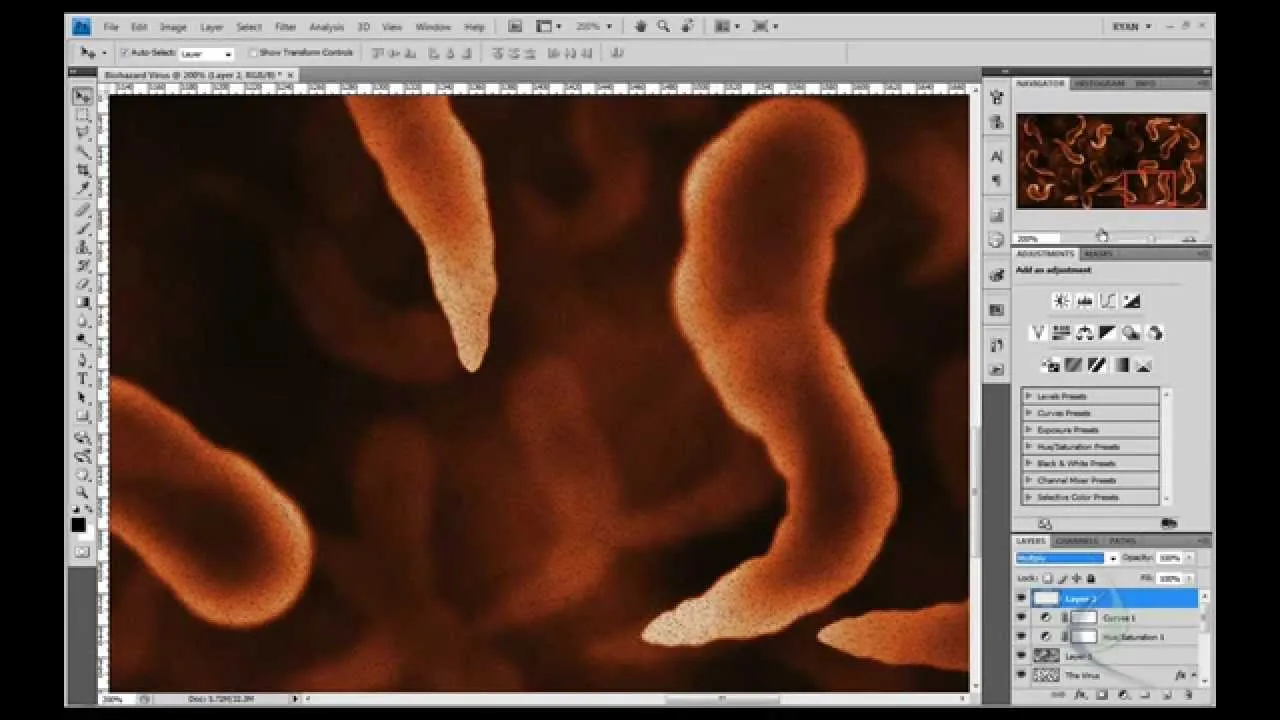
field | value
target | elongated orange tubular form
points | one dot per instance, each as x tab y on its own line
351	325
936	636
568	458
762	204
434	173
233	548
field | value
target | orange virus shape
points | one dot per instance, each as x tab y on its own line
434	173
611	147
410	638
350	324
569	461
936	636
231	546
762	204
347	322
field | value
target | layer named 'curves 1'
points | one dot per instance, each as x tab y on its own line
434	173
762	204
231	546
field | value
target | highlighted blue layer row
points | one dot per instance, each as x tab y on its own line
1063	558
1117	598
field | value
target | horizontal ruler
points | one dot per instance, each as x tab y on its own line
709	88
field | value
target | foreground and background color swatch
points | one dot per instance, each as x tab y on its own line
546	395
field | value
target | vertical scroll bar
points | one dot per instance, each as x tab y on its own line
1166	446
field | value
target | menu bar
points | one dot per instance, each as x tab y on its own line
971	26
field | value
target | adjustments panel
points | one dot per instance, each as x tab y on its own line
1112	387
1099	230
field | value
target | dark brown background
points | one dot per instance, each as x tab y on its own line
204	189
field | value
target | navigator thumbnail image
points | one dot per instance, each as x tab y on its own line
1112	161
539	394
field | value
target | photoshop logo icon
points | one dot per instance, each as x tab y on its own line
81	27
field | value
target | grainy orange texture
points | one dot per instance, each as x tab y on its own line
387	572
351	324
234	550
358	328
936	636
762	205
617	166
568	459
518	527
434	173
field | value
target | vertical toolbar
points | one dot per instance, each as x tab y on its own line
87	327
995	260
997	161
